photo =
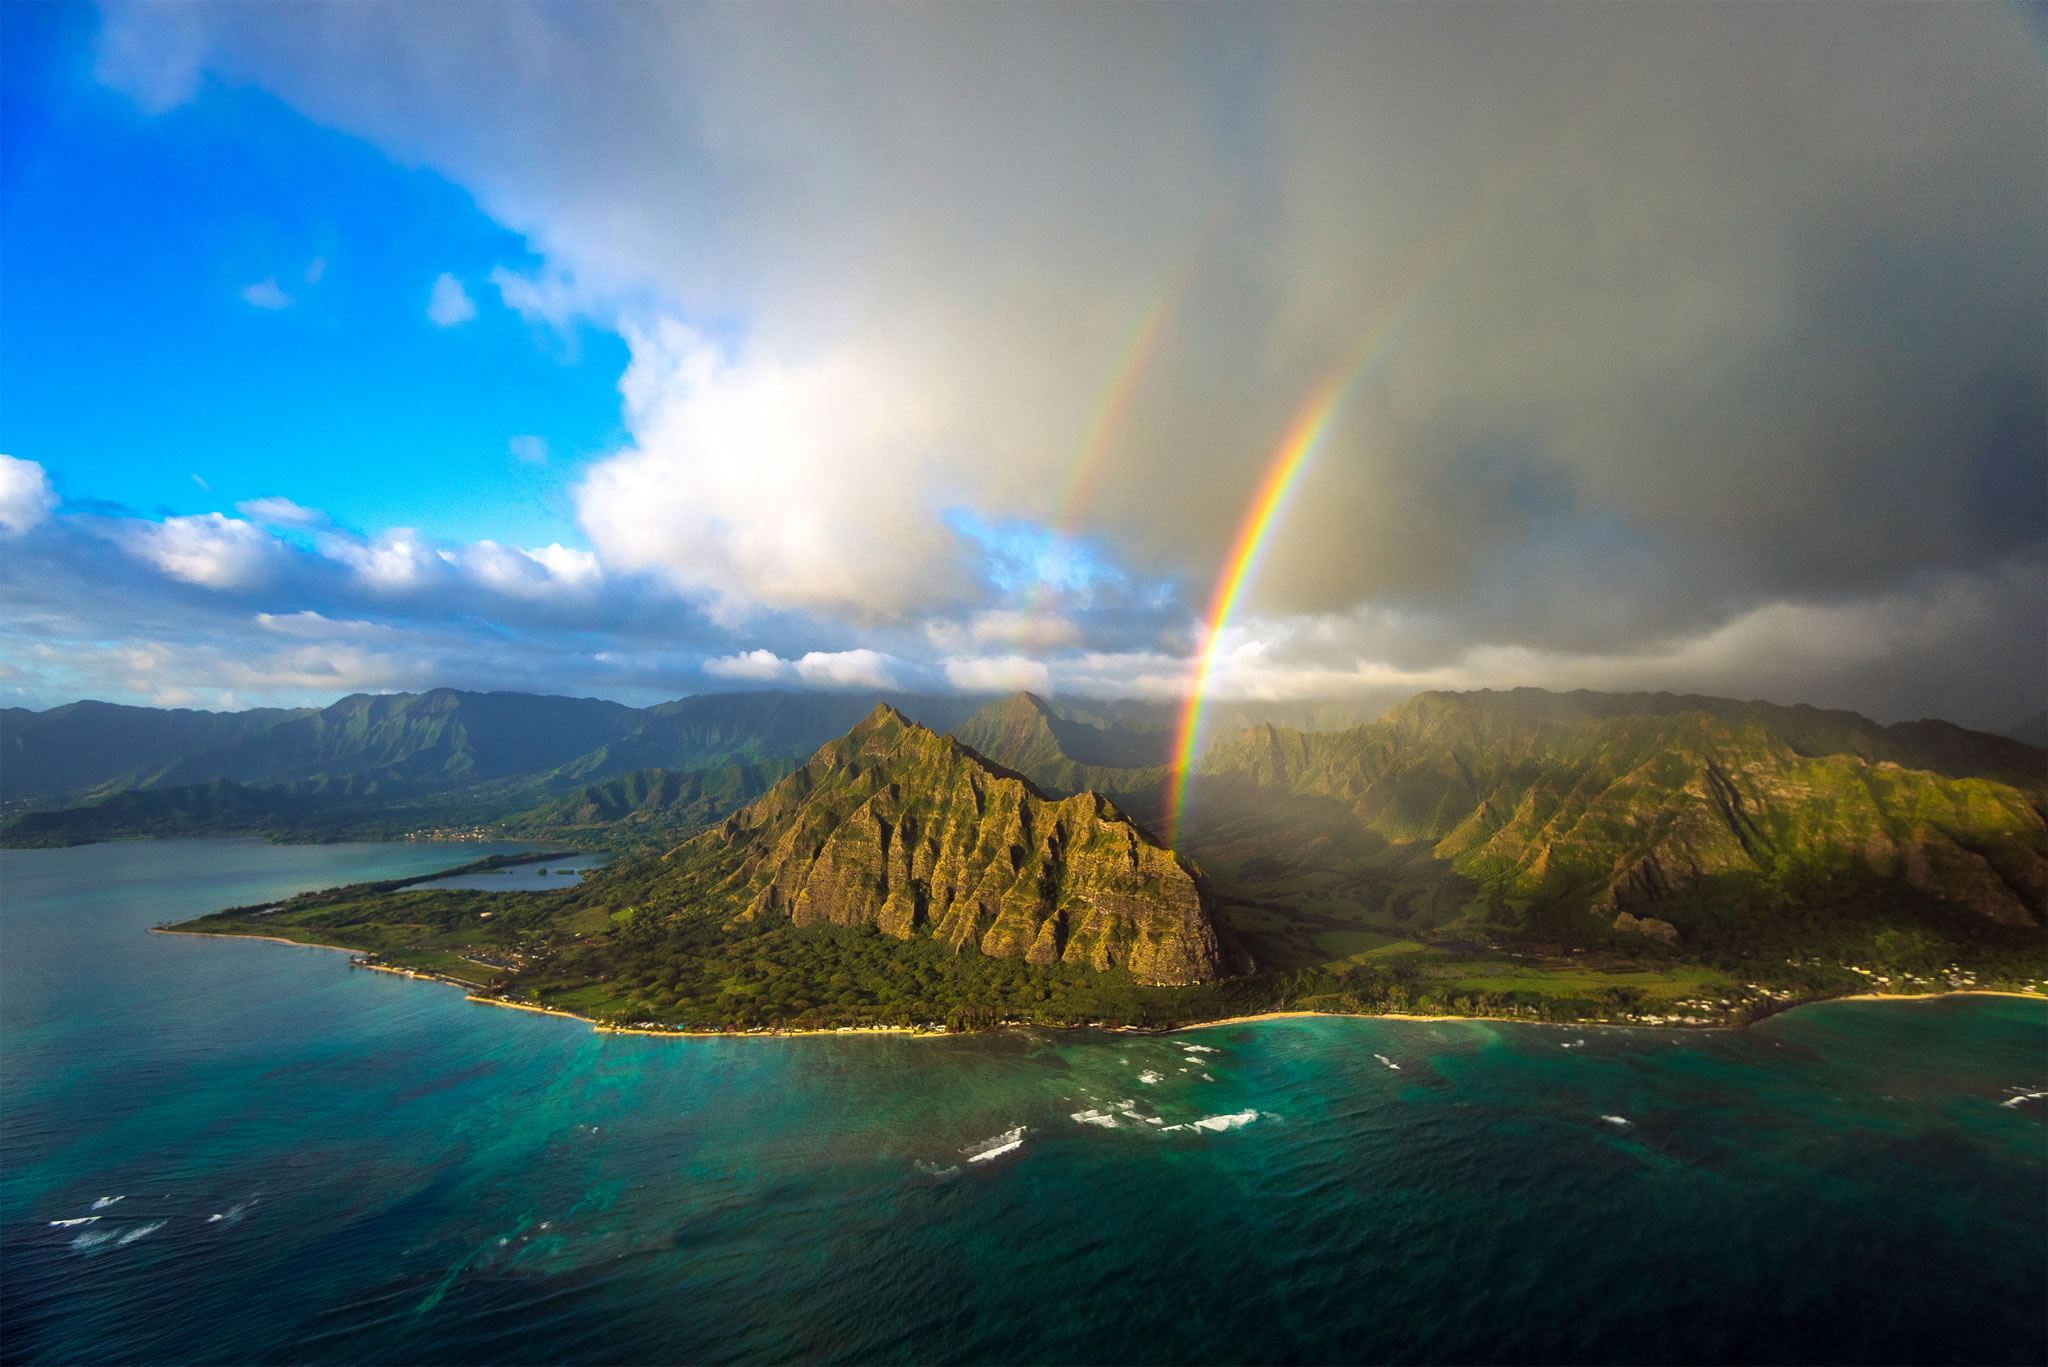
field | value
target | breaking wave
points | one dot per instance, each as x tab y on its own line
1389	1062
106	1201
1216	1123
75	1220
993	1148
1617	1120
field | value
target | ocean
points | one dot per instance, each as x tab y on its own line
215	1151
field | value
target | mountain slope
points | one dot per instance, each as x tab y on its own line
367	743
648	808
89	744
1592	805
897	826
1022	732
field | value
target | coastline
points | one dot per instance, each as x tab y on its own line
1604	1024
472	992
599	1027
229	935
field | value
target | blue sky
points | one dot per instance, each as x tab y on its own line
134	363
637	351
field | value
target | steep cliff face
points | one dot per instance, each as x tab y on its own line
915	833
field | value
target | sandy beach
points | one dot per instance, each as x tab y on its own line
272	939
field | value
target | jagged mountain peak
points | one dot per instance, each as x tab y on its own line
897	826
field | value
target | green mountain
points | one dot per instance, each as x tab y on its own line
913	832
86	745
648	808
1024	733
1569	814
372	767
369	743
216	808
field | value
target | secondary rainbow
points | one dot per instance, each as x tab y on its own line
1108	418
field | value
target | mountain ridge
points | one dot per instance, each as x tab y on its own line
899	826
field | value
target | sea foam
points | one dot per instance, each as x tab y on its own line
1216	1123
993	1148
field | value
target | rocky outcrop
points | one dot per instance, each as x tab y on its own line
916	834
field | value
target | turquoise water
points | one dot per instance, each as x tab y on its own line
324	1165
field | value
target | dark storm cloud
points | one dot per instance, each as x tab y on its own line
1689	314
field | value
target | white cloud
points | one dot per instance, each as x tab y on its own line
311	625
805	485
449	305
316	268
998	674
530	450
847	669
280	512
754	664
210	550
549	572
26	497
1036	629
265	294
395	562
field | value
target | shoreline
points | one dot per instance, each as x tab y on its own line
599	1027
1604	1024
269	939
472	992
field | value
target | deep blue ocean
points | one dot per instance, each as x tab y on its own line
214	1151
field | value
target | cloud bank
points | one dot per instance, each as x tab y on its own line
1701	346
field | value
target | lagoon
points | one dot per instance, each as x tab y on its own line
269	1156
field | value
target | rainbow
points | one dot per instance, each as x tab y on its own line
1303	436
1108	418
